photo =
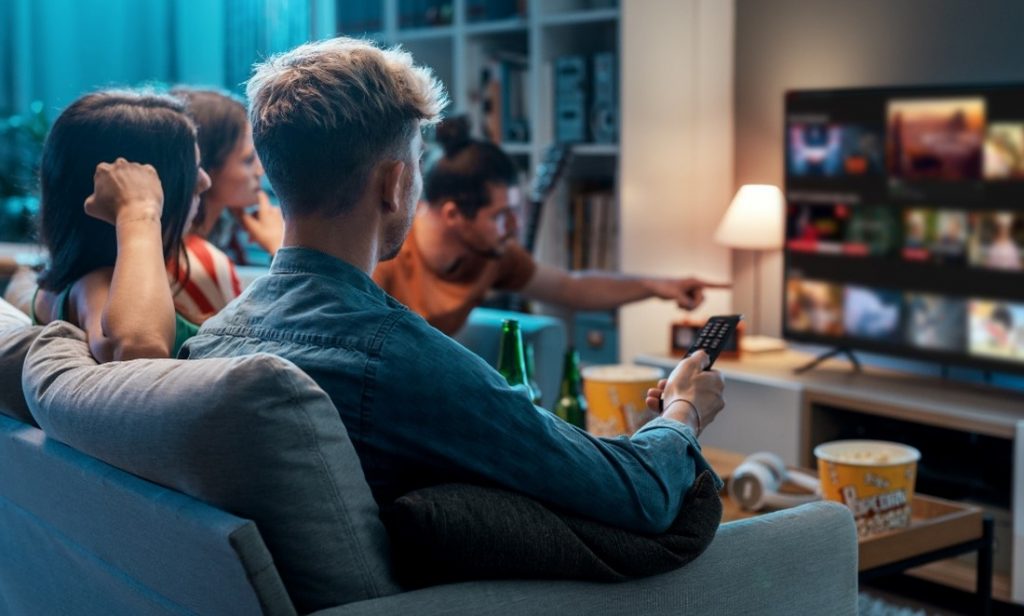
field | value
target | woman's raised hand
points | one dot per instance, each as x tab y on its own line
125	191
266	227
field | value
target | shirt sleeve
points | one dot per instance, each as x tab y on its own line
515	268
459	416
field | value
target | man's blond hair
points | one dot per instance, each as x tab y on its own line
325	113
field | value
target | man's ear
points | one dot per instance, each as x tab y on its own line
450	213
391	184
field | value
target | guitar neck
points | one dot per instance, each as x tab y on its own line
533	225
545	178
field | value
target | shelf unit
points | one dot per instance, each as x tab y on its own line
458	51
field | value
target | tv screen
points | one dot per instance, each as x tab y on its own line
905	222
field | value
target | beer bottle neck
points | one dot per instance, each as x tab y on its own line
571	374
511	358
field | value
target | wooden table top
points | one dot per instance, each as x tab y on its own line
936	523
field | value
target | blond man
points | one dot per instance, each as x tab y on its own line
337	126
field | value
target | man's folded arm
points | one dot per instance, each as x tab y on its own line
448	409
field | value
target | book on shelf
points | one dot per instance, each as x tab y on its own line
424	13
593	229
503	84
491	10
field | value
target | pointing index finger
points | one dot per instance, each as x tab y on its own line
713	285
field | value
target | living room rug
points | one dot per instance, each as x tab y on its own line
878	603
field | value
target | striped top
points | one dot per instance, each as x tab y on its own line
208	283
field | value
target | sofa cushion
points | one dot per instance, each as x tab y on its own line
252	435
16	336
11	316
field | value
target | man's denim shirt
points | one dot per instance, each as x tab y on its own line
421	409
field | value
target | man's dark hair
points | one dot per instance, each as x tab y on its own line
221	120
467	169
325	113
99	128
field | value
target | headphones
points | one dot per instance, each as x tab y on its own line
755	483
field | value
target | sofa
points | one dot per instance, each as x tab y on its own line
229	486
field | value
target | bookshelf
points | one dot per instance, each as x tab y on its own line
462	43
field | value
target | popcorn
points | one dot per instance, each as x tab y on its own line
874	479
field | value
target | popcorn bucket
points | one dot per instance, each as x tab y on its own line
615	398
875	479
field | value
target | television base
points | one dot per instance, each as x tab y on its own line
836	351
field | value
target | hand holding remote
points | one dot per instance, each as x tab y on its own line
691	394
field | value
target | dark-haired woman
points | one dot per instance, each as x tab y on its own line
463	244
111	225
229	158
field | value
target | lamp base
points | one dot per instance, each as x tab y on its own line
761	344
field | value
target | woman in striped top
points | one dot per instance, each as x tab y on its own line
229	158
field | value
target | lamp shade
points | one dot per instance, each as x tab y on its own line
754	219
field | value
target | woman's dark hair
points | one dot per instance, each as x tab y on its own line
467	168
221	120
100	127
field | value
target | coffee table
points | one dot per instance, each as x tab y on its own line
939	529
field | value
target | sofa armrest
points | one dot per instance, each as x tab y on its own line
482	333
797	561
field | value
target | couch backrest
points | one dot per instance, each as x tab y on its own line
251	435
81	537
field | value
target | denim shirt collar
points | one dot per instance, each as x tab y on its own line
299	260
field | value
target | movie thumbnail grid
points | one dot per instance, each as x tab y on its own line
977	327
984	239
951	139
833	150
929	139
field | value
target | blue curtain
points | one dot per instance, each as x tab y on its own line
256	29
55	50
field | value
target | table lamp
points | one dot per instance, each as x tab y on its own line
754	222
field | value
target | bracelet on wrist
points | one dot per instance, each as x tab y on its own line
693	406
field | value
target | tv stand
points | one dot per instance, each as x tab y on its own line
829	355
975	429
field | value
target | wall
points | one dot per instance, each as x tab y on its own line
793	44
676	149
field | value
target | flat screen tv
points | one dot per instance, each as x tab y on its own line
905	222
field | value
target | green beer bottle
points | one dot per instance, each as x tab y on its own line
572	406
531	375
512	357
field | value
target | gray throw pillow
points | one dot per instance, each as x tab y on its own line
16	336
252	435
14	344
11	316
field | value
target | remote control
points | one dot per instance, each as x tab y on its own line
711	339
714	336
